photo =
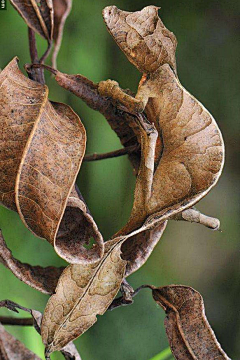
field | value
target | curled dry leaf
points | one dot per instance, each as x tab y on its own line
45	145
70	352
185	161
38	15
61	9
38	277
21	103
137	249
13	349
78	223
189	333
83	291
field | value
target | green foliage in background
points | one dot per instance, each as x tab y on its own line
164	355
208	60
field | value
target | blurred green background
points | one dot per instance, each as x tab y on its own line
208	56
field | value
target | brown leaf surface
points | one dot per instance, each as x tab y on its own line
76	229
38	15
70	352
21	103
189	333
13	349
48	169
45	145
137	249
83	291
43	279
61	9
189	150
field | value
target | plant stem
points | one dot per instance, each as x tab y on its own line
45	55
112	154
122	301
34	74
7	320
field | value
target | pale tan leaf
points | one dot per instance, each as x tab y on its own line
189	333
38	15
83	291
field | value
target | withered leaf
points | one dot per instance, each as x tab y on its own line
83	291
137	249
43	279
49	166
21	103
189	149
189	333
38	15
70	352
45	145
61	9
76	229
13	349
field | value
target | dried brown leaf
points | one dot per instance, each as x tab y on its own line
45	145
137	249
21	103
185	161
49	166
38	15
43	279
83	291
13	349
189	333
61	9
77	228
70	352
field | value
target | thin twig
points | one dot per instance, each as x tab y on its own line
34	74
32	45
45	55
122	301
7	320
112	154
47	67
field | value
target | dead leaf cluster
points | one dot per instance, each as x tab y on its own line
177	154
